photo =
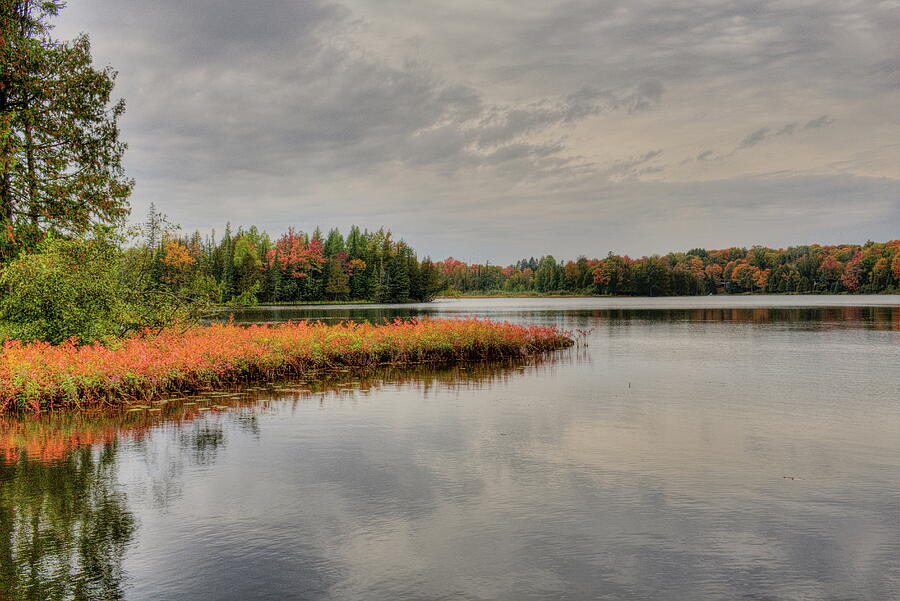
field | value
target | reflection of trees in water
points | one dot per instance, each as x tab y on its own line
51	437
872	317
64	522
879	318
203	440
64	527
198	441
428	376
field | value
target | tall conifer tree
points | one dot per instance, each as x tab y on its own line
60	153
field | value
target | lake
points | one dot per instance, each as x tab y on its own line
686	449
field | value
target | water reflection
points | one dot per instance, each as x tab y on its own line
51	437
682	453
64	520
64	527
886	317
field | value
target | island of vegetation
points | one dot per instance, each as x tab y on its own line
39	376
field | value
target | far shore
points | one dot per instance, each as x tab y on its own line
761	294
363	303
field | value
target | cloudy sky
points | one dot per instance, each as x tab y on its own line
496	130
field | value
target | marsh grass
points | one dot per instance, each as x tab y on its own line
38	376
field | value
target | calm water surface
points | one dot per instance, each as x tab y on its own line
689	449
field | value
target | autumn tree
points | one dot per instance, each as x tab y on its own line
176	261
60	153
246	266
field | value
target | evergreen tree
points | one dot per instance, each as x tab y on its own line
399	274
226	277
334	243
378	283
60	153
338	286
357	250
430	281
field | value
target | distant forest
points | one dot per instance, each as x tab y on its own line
246	266
870	268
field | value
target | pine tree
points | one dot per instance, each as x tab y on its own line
430	281
334	243
60	153
227	275
357	249
338	286
399	274
378	283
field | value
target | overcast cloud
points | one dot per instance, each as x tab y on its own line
492	131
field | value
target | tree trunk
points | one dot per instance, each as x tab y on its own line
6	203
32	177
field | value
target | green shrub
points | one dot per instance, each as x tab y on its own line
89	289
68	288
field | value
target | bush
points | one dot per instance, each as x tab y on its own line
68	288
88	289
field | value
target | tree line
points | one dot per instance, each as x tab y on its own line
247	266
870	268
116	280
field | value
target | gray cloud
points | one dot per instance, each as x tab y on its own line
283	112
284	88
788	129
754	138
823	121
764	134
501	124
733	40
818	123
635	166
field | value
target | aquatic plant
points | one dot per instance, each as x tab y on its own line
38	376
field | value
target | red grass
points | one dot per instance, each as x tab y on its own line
39	376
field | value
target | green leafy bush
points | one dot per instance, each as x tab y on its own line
68	288
89	289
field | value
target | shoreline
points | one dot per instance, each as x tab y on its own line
736	294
